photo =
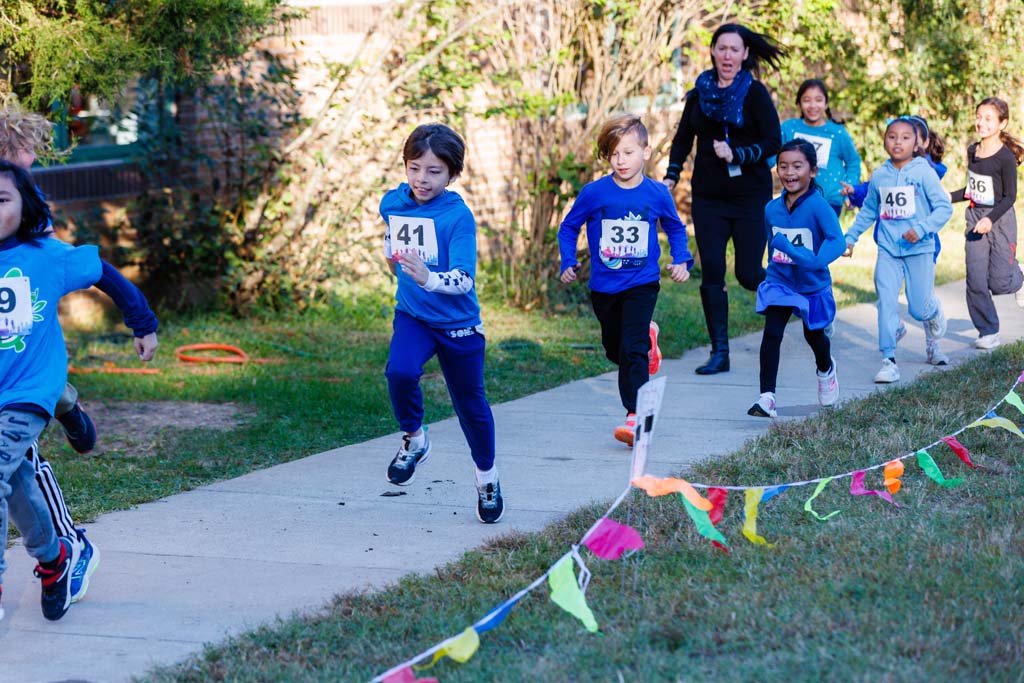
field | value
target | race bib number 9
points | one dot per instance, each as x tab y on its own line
980	189
823	147
409	234
897	202
15	306
624	238
798	237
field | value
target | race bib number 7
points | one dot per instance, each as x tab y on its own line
897	202
798	237
622	238
410	234
15	306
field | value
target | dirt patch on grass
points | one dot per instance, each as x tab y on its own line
132	428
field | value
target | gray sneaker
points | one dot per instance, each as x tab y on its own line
935	354
936	327
490	506
402	469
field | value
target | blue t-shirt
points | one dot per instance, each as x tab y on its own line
34	366
838	160
802	242
622	233
444	232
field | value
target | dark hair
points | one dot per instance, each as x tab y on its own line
444	142
617	128
762	48
936	146
810	84
1003	109
906	121
810	154
35	214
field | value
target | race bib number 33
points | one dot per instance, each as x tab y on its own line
15	306
897	202
622	238
411	234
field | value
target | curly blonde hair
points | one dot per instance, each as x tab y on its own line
23	131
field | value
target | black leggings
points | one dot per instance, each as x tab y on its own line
625	319
714	223
775	319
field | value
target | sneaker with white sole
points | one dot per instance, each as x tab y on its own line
402	469
987	341
56	580
888	373
935	355
765	406
490	506
88	561
627	431
828	386
936	327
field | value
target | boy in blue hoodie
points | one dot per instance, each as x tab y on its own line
430	244
907	199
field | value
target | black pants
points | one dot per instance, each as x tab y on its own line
625	319
715	221
775	319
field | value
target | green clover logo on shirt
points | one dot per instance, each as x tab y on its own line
17	341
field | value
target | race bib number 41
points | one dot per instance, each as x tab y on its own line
798	237
897	202
15	306
980	189
408	234
624	238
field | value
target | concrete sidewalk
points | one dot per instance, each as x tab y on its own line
197	567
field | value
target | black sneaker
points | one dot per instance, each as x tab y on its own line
56	582
402	469
79	429
490	507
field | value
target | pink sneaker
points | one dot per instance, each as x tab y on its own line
654	355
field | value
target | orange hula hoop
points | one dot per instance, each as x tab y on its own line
239	356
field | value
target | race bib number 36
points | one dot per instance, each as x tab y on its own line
410	234
980	189
798	237
624	238
897	202
15	306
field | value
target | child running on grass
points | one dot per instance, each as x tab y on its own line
908	201
430	244
991	245
804	237
622	212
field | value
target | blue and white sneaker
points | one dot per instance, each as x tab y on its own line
88	561
403	466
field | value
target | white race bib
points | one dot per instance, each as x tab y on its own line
622	238
822	145
798	237
897	202
409	233
980	189
15	306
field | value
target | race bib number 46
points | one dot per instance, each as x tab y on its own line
822	145
980	189
798	237
897	202
408	234
624	238
15	306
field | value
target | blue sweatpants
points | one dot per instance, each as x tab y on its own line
891	272
461	355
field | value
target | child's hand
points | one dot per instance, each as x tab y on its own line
146	346
569	274
413	266
670	184
678	272
723	151
847	189
983	226
849	251
911	236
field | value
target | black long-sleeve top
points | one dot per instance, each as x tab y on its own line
992	181
752	145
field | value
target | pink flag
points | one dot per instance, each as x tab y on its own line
960	450
717	497
857	489
407	676
610	539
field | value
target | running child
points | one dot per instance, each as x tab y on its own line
804	237
622	212
838	162
430	244
905	197
991	243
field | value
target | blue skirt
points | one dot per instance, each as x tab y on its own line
817	310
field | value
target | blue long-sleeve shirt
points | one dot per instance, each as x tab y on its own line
136	311
902	199
838	160
622	233
802	242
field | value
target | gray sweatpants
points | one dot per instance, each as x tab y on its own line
991	267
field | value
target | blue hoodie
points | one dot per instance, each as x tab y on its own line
622	233
903	199
809	238
444	232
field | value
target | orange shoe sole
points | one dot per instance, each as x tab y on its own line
625	435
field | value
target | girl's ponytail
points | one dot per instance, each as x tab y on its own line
1014	145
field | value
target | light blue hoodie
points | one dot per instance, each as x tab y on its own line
892	193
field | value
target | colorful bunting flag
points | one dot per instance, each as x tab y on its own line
960	450
460	648
704	526
609	539
817	490
750	517
892	473
717	497
1014	400
566	592
772	492
932	470
662	487
496	615
998	422
857	488
407	676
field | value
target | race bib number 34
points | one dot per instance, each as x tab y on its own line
15	306
624	238
897	202
411	234
798	237
980	189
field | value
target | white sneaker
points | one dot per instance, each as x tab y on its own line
935	354
901	331
765	406
936	327
987	341
1018	296
888	373
828	386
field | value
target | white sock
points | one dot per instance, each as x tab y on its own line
416	442
483	478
